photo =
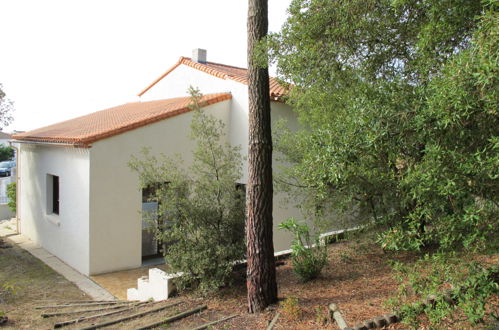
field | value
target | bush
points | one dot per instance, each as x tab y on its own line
308	257
6	153
400	123
202	209
469	286
12	195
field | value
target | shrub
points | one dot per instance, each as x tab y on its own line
12	195
308	256
400	123
201	210
6	153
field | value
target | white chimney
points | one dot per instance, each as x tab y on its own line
199	55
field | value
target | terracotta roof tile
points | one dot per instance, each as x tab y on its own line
83	131
224	72
4	135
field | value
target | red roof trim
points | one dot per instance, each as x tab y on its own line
276	89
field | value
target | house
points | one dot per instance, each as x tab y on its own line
77	196
4	139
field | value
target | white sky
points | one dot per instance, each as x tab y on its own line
60	59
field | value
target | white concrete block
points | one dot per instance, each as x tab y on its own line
132	294
161	287
144	288
156	275
142	283
158	286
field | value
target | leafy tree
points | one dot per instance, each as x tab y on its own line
399	101
6	153
261	276
203	210
6	109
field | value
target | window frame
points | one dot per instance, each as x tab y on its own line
53	194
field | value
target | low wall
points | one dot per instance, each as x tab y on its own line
5	212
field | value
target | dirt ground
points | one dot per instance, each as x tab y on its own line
358	279
26	282
118	282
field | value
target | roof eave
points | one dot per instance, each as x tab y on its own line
53	143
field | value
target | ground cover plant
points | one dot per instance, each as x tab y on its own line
464	289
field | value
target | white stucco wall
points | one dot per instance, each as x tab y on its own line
66	234
99	226
178	81
115	198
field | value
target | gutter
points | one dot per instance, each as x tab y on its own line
18	186
56	144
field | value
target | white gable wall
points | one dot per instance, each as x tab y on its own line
176	84
115	198
66	234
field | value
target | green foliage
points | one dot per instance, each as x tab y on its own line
6	108
6	153
309	254
12	195
399	99
472	284
203	210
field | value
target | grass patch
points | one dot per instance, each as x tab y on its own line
26	282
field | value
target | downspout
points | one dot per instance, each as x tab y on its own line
18	186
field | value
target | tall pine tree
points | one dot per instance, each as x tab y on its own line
261	277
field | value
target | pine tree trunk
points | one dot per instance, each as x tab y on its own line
261	278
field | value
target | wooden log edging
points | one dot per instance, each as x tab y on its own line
206	325
174	317
96	316
377	322
81	311
126	318
273	322
114	302
79	301
335	315
386	319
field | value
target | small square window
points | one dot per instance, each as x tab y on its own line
52	194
